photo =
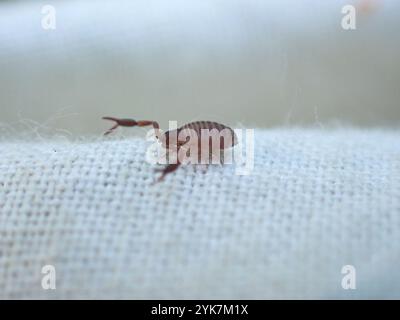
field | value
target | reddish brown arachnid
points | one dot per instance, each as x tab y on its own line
198	128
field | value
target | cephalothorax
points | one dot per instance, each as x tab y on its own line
200	133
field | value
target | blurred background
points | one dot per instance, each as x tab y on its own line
241	62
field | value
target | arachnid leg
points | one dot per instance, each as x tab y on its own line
168	169
131	123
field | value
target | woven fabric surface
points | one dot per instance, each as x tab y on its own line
316	200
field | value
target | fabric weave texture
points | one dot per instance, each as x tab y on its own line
316	200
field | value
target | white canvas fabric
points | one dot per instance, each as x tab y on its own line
317	200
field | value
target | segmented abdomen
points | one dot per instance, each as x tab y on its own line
198	126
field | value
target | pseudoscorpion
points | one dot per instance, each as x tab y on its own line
198	132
